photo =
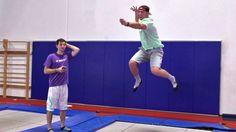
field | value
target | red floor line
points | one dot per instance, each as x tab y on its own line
104	110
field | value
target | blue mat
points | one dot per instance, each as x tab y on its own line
100	122
84	121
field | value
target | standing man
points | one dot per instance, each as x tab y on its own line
151	49
57	66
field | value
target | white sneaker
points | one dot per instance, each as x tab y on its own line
137	84
174	84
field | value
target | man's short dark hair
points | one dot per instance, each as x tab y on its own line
60	40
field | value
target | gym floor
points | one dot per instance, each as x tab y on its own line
14	120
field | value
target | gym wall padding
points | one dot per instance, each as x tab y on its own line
100	75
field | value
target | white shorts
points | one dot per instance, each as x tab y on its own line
154	55
57	98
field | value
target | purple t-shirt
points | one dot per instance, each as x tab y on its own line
55	60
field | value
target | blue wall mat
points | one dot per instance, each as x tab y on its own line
94	73
207	77
136	100
158	89
182	66
100	75
39	80
77	75
114	74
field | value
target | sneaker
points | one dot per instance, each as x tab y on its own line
136	85
50	130
174	84
66	129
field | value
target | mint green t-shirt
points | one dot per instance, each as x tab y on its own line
149	36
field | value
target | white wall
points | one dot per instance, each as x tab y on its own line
33	19
99	20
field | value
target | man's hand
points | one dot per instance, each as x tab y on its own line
61	69
134	8
54	70
123	22
75	50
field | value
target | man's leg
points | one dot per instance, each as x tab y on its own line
133	66
63	117
50	107
49	119
155	62
138	58
63	101
163	73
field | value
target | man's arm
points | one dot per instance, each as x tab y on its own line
75	50
135	9
55	70
135	25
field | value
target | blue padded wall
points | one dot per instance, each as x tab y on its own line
100	75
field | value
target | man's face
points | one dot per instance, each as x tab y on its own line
61	46
142	13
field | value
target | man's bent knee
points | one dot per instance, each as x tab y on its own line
132	63
156	70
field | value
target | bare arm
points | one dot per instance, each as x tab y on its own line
135	25
55	70
75	50
135	9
